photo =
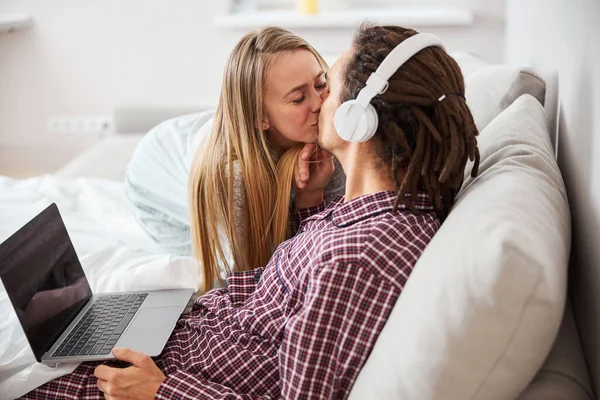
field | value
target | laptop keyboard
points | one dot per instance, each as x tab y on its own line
101	326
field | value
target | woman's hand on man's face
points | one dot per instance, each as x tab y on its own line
312	174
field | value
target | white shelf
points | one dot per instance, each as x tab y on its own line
406	16
11	22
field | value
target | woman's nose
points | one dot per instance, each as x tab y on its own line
317	101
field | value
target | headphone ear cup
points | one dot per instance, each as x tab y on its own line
365	126
342	114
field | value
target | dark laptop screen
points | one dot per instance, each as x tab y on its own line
43	278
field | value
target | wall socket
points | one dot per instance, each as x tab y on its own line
80	124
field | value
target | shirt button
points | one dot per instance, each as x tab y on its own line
257	276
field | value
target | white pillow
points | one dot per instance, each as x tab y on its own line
483	305
491	88
156	182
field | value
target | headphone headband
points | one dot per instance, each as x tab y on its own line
377	83
378	80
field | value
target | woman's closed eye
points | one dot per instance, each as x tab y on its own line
300	100
319	88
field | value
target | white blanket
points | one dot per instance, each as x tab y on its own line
115	253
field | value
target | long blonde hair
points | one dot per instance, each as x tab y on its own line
237	135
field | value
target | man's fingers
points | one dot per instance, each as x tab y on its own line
105	373
105	387
136	358
114	377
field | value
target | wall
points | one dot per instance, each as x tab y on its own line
561	36
87	57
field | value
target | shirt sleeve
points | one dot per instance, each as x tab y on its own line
327	341
183	385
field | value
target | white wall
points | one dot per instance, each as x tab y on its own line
84	57
562	35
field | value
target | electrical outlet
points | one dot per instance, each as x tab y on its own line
76	124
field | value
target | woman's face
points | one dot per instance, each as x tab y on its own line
295	90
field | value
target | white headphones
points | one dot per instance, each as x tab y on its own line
356	120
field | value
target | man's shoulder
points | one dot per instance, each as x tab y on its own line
403	226
398	238
388	245
396	228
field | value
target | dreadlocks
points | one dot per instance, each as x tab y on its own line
424	137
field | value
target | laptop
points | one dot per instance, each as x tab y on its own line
61	317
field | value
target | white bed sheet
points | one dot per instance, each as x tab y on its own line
115	253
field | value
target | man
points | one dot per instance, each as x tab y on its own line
303	326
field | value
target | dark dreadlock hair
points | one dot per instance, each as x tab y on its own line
429	140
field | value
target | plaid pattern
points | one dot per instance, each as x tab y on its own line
303	326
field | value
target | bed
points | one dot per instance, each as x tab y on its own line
117	255
114	251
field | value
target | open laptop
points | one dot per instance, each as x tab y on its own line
61	317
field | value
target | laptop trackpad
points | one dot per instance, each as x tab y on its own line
150	329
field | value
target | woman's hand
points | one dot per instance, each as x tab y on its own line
312	174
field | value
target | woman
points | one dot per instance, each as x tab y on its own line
271	95
272	90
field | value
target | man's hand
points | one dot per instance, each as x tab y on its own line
140	381
313	172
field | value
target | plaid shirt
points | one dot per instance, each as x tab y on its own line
303	326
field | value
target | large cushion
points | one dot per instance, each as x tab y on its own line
564	375
483	305
491	88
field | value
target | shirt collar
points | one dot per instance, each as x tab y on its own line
345	214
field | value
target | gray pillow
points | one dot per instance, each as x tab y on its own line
491	88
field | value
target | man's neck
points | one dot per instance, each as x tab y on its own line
362	175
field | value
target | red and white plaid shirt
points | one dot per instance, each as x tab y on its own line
302	327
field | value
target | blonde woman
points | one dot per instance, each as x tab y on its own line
207	184
273	87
